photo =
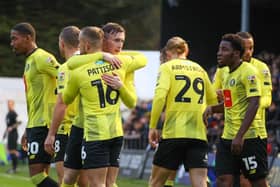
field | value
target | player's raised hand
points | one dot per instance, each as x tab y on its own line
220	95
113	81
153	137
49	144
112	59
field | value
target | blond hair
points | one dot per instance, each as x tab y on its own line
177	45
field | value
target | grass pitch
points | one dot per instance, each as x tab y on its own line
21	178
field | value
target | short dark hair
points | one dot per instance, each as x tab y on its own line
26	29
112	28
236	42
244	35
70	36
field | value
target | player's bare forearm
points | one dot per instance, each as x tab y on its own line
219	108
249	115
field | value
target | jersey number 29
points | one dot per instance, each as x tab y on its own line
195	84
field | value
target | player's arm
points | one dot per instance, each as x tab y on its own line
133	63
250	114
59	112
47	64
217	84
127	95
161	91
265	76
251	81
58	116
211	95
80	60
130	98
217	80
218	108
71	90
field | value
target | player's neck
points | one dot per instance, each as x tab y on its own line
70	52
235	65
31	49
93	51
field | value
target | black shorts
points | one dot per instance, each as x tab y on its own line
171	153
100	154
35	138
59	147
252	162
12	140
72	157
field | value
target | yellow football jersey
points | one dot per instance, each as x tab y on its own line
184	87
100	103
40	85
239	85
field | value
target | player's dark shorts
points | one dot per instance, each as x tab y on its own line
12	140
60	146
35	138
72	157
104	153
252	162
171	153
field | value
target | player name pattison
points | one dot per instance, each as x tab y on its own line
98	70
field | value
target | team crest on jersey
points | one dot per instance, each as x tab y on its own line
99	62
158	76
266	73
50	60
61	76
232	82
27	67
252	79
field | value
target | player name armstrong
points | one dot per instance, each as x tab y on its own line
186	67
98	70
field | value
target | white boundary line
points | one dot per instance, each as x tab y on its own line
14	176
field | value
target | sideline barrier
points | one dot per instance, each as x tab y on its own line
138	164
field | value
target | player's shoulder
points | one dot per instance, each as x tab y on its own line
78	61
258	63
43	56
247	69
42	53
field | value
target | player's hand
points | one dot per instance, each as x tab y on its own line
237	145
9	129
220	95
206	114
113	81
153	137
48	145
112	59
24	142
